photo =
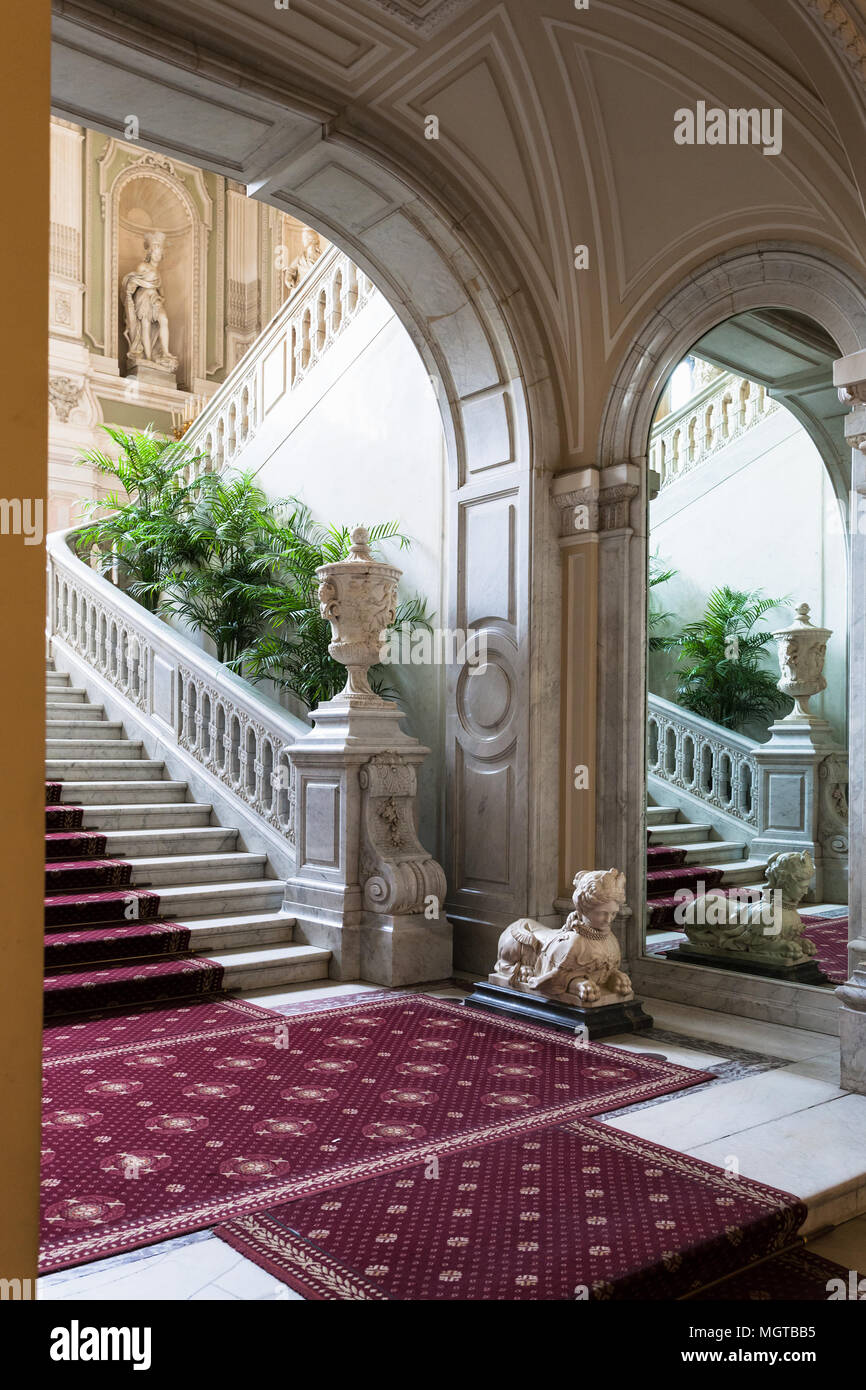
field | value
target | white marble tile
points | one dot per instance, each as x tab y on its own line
172	1270
818	1154
683	1054
697	1117
706	1025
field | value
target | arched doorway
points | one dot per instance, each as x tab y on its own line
452	283
774	280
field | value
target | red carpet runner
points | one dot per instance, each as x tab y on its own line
165	1123
94	920
667	873
575	1212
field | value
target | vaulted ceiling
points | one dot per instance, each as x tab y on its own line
555	129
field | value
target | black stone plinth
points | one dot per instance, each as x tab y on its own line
808	972
601	1021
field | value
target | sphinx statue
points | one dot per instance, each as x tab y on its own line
769	930
578	963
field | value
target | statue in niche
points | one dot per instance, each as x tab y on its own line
312	250
147	332
770	930
577	964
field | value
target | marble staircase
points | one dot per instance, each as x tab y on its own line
703	845
684	854
207	882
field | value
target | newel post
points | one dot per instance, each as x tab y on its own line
364	886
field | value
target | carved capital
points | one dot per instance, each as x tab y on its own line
614	506
578	511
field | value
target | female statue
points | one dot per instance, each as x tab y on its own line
146	319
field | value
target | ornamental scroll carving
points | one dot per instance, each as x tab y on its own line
397	873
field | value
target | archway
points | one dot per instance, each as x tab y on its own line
789	278
456	290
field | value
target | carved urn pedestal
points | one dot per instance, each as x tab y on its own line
364	886
593	1021
800	752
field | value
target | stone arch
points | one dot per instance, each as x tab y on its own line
501	429
810	282
453	281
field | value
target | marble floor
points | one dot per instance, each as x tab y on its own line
779	1115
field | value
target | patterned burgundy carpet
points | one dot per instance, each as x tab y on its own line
93	924
579	1211
830	935
797	1276
175	1121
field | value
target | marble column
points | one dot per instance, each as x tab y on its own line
849	376
575	497
621	694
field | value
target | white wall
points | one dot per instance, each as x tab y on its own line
360	441
759	514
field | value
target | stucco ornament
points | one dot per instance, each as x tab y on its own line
770	930
577	963
147	332
358	596
802	649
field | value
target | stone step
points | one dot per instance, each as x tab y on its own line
179	901
103	769
241	932
74	713
68	695
92	748
157	843
141	817
102	729
186	869
273	965
55	678
121	793
660	815
745	872
716	852
680	834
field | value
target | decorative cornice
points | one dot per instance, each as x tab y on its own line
844	32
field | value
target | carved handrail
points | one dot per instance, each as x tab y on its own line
327	299
723	410
702	758
240	737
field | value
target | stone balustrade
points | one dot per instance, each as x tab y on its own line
703	759
327	299
724	409
240	739
786	794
